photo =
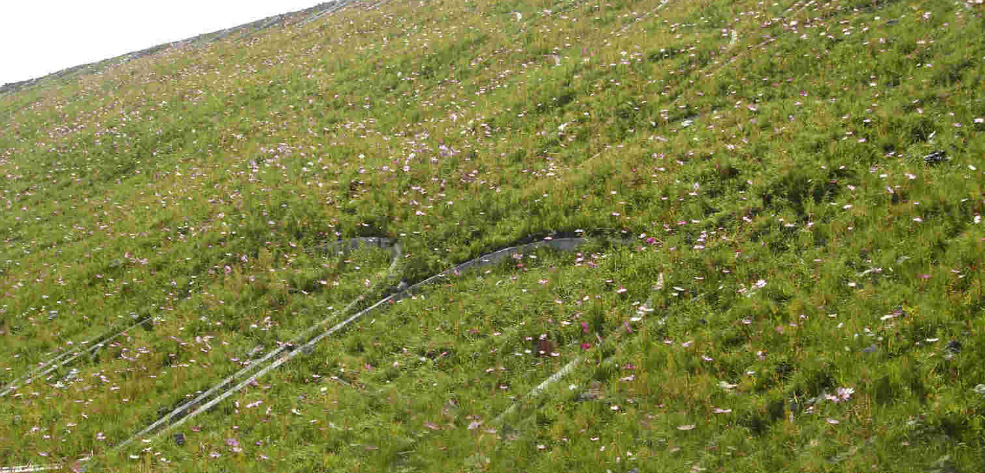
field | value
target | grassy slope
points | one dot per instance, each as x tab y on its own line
775	142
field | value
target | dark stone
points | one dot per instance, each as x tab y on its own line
783	370
179	439
936	157
953	346
870	349
775	410
543	347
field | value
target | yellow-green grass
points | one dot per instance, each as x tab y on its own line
766	157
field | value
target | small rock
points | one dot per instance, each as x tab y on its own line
953	347
179	439
936	157
594	392
870	349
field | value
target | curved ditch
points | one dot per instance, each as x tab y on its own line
289	351
304	341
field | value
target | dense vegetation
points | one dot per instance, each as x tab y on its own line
800	183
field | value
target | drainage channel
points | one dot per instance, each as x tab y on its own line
304	342
284	354
318	332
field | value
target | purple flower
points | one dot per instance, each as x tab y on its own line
842	395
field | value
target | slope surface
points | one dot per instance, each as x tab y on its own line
806	177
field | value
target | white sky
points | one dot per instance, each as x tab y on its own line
38	37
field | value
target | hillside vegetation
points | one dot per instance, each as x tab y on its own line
781	268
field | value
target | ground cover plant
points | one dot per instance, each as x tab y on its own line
781	203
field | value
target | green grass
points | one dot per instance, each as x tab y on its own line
766	158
